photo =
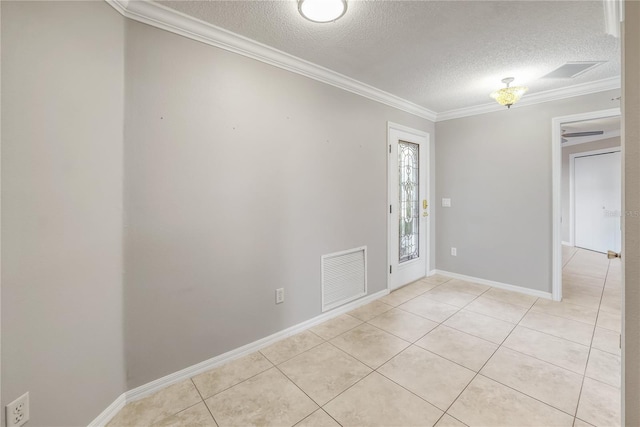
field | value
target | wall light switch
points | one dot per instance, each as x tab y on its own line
446	203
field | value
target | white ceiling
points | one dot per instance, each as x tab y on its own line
442	55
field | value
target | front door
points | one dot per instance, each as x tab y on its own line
408	205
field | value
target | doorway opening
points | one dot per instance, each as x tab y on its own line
573	137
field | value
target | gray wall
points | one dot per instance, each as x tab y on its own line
566	177
631	221
62	117
496	168
238	177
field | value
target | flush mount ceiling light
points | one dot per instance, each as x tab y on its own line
322	10
508	95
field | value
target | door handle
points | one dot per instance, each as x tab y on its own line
612	255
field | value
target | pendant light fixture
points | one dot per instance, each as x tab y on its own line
321	11
508	96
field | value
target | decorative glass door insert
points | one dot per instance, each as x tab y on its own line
409	201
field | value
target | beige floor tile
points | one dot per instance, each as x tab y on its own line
604	367
464	349
552	385
497	309
158	406
421	286
515	298
377	401
336	326
568	329
599	404
371	310
318	419
591	257
450	296
481	326
612	300
396	298
230	374
428	375
586	296
196	416
287	348
407	293
466	287
370	345
595	271
438	279
403	324
448	421
488	403
611	321
557	351
606	340
324	372
268	398
430	309
566	310
416	288
579	423
581	280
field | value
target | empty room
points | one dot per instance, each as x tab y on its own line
319	213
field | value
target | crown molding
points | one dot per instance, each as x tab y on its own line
159	16
535	98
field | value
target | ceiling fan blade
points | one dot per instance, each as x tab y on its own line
587	133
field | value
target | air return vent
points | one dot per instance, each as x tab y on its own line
571	70
344	277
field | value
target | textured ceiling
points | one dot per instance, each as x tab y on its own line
442	55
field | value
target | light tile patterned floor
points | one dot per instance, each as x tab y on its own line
437	352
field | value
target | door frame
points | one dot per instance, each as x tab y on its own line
572	194
424	138
556	186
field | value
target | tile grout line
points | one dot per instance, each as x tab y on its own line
586	366
205	403
238	383
484	364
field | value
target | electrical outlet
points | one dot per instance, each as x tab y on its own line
454	252
18	411
279	295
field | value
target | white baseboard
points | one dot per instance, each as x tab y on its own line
432	273
567	243
108	414
186	373
499	285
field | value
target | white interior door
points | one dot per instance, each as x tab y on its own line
408	205
597	198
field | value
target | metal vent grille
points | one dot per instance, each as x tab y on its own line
571	70
344	277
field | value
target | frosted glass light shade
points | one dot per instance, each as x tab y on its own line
508	95
322	10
